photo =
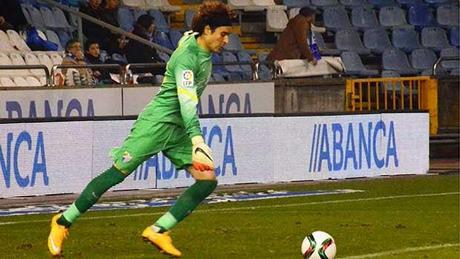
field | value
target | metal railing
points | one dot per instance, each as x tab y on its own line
394	94
438	61
87	66
28	67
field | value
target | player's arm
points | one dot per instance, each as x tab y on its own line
188	101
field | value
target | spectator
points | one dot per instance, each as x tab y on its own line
293	40
91	30
75	56
92	56
10	11
115	43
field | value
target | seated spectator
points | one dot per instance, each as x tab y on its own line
137	52
11	13
92	56
75	56
292	43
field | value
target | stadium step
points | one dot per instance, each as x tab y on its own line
445	145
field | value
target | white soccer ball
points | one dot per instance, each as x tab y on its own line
318	245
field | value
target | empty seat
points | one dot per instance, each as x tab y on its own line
435	38
20	81
160	22
439	2
243	56
450	53
455	36
4	61
17	41
448	15
235	72
376	40
53	37
218	69
35	16
33	81
423	60
5	44
391	16
64	36
165	57
56	58
364	18
6	82
296	3
354	66
260	5
405	39
48	17
324	3
420	16
162	39
60	18
323	49
17	60
26	13
276	20
174	36
125	19
189	18
234	43
408	3
335	18
353	3
264	72
45	60
348	40
382	3
396	60
31	59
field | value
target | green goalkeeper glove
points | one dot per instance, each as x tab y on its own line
201	155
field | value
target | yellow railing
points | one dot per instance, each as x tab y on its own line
394	94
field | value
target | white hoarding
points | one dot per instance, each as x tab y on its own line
244	98
47	103
61	157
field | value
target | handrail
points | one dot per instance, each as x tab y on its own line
108	26
17	67
87	66
435	66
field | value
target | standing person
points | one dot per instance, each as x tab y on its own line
169	123
293	40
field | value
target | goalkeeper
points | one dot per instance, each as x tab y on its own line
169	123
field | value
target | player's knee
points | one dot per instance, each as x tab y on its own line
203	175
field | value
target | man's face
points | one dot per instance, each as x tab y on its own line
217	39
112	4
95	3
93	50
75	48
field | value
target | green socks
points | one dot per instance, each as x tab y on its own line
186	203
91	195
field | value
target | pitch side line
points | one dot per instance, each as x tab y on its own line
253	207
401	251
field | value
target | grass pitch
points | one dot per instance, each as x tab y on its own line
399	217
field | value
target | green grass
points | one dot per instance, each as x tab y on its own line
361	223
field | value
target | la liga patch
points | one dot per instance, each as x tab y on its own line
187	78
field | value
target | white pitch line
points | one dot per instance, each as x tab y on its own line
252	207
401	251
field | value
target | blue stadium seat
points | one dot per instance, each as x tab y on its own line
420	16
382	3
296	3
174	36
335	18
53	37
405	39
435	38
138	12
439	2
126	19
376	40
234	70
324	3
396	60
348	40
234	43
354	66
160	22
162	39
264	72
392	16
64	36
218	78
455	36
448	15
35	17
243	56
353	3
48	17
323	49
450	64
455	72
389	85
364	18
408	3
219	69
189	18
60	18
423	60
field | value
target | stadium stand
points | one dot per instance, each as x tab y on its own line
364	18
376	40
423	60
336	18
406	39
396	60
392	16
435	38
354	66
349	40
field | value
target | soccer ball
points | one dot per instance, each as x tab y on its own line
318	245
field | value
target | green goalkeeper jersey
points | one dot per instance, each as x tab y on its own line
186	77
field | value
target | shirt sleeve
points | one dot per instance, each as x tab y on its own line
187	94
300	34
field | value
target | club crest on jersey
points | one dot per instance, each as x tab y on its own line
187	78
126	157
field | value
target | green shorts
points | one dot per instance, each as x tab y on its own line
148	138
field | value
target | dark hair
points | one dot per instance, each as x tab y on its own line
306	11
90	42
70	43
214	14
145	21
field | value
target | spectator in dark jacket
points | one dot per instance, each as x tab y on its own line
137	52
92	56
91	30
